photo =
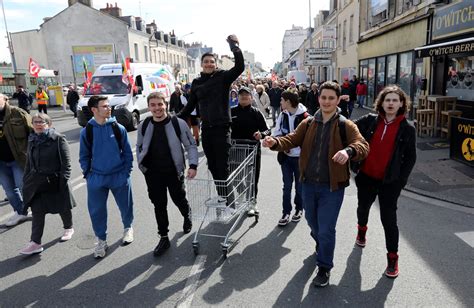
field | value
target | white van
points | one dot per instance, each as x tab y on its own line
129	109
299	77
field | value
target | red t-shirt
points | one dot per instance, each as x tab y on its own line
381	147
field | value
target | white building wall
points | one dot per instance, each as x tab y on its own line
29	44
141	39
347	58
292	40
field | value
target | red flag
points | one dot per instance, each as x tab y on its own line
34	68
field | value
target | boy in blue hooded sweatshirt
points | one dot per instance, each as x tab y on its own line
106	141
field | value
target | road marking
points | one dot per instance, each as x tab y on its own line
76	179
467	237
78	186
191	284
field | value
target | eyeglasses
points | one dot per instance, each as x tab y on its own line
105	107
39	122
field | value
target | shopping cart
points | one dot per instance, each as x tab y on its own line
214	201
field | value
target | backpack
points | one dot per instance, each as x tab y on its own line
174	121
117	134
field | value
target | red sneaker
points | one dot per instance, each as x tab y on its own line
360	240
392	265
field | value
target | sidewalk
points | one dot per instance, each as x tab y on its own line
435	175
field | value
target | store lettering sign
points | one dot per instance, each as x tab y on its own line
454	19
446	50
462	140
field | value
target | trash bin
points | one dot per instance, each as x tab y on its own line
55	94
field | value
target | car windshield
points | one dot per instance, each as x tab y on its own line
101	85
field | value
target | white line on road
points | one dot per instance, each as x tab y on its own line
467	237
76	179
191	284
78	186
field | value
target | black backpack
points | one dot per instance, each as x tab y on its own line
117	134
174	121
342	128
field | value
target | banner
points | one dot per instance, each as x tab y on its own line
90	57
34	68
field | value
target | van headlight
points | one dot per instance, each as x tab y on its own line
120	106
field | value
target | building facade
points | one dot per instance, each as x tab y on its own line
292	40
348	35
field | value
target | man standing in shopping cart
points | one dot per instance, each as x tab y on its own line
328	141
248	123
210	93
160	157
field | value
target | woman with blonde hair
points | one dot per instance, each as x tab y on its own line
386	169
46	181
262	100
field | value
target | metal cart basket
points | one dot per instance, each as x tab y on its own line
214	201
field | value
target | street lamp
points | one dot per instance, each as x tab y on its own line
10	45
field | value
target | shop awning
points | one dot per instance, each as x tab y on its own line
446	48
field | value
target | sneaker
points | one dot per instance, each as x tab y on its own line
392	265
100	249
67	235
253	210
285	219
162	246
187	225
322	277
297	216
16	219
127	236
31	248
360	240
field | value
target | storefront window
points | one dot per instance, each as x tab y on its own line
363	69
419	76
371	82
459	82
405	72
391	69
380	80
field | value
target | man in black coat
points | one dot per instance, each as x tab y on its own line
23	97
312	102
210	93
275	97
248	123
72	99
175	100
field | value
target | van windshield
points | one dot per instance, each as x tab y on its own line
101	85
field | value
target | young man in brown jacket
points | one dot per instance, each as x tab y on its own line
328	141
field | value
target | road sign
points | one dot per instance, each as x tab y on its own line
312	54
317	62
318	50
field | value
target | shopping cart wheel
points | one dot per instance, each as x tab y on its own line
256	216
224	252
196	248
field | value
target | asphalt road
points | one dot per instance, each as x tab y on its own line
269	266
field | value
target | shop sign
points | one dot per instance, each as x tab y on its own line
452	20
462	140
465	47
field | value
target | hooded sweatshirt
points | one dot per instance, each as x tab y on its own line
281	131
105	158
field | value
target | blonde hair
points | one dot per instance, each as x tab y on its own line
42	116
260	87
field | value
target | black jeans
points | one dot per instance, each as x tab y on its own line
216	144
367	190
157	184
37	226
73	107
43	108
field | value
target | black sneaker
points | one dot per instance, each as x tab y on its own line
187	225
322	278
285	219
297	216
162	246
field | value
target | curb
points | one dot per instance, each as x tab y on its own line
444	199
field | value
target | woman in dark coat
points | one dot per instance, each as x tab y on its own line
385	171
46	181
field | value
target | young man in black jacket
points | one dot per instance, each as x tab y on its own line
275	97
210	93
248	123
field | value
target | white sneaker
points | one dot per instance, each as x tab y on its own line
16	219
100	249
67	235
253	210
31	248
127	236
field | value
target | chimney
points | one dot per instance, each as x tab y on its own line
111	10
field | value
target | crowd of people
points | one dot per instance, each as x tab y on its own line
316	141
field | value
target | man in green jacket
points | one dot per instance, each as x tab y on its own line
15	127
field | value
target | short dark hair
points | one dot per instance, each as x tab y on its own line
331	85
208	54
156	95
290	96
404	98
95	100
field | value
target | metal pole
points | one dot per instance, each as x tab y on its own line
310	42
10	45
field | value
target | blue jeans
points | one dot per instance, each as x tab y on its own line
321	211
11	178
360	100
98	187
291	173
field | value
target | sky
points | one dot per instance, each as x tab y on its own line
259	25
